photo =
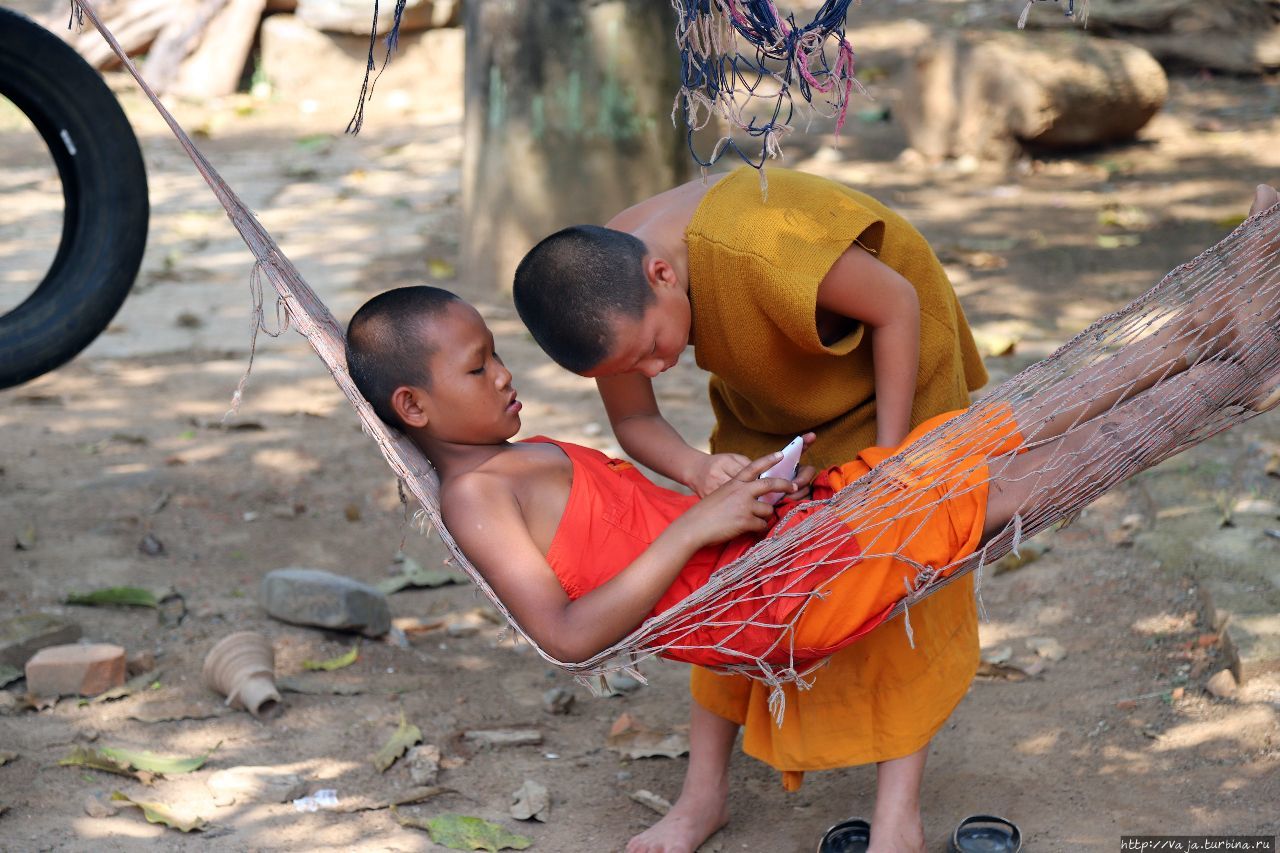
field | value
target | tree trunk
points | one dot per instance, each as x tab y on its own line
214	67
568	106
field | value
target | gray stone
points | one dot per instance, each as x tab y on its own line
492	738
1047	647
651	800
325	600
23	636
620	684
424	764
98	807
557	700
354	16
1222	684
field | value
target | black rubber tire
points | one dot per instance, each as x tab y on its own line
104	187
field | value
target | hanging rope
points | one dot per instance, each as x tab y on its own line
741	59
1069	11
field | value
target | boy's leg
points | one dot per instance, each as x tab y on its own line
1233	312
703	806
896	825
1064	474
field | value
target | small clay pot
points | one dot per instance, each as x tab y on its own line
242	668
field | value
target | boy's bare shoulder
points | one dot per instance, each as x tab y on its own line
677	198
497	482
475	488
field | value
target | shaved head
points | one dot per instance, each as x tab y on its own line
389	343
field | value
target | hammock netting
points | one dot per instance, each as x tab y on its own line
1208	335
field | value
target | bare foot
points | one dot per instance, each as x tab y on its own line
1267	396
1264	197
695	817
902	836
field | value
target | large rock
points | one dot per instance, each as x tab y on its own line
356	16
303	62
1233	36
23	636
988	95
325	600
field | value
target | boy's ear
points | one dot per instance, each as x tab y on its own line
409	403
659	272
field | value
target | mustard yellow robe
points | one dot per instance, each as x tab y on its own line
755	264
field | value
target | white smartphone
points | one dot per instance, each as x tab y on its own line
785	468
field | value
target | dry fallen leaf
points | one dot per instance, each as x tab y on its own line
461	832
405	736
159	813
636	740
531	801
25	540
331	664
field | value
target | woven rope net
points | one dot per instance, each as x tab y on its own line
1191	357
748	64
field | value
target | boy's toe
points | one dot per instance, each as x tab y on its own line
1264	197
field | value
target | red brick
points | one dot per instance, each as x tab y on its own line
84	669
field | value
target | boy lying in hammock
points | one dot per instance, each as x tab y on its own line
583	549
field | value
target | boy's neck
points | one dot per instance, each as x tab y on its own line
662	222
667	243
452	459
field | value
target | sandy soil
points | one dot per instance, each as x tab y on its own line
127	441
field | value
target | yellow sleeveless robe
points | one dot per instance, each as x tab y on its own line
754	269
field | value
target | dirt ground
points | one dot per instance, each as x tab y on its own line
126	442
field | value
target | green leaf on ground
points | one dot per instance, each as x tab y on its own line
9	674
413	574
25	540
1118	241
159	813
334	663
440	268
83	756
161	764
1027	553
129	596
405	736
143	766
314	141
460	832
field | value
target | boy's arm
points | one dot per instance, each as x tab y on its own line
862	288
486	521
649	439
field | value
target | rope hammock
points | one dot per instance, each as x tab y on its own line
1183	319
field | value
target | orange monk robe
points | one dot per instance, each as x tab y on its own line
754	269
930	517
